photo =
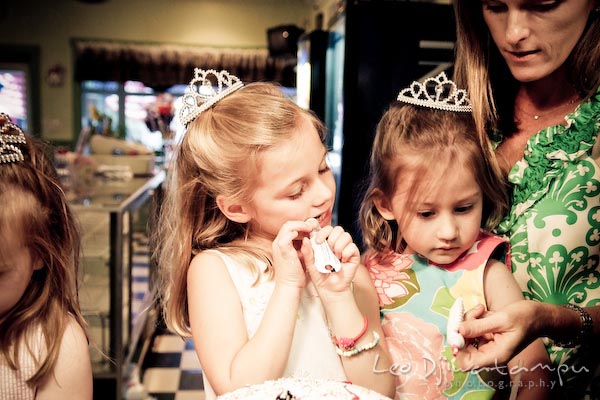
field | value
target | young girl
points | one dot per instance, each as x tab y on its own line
431	191
248	184
43	344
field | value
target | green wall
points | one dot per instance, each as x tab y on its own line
52	24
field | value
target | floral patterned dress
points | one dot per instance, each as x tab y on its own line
415	297
554	226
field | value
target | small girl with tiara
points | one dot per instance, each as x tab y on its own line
432	190
249	194
43	342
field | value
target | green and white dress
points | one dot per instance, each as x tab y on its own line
554	227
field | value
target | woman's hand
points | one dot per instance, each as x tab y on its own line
498	335
344	249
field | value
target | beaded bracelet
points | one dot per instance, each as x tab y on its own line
345	343
587	328
360	349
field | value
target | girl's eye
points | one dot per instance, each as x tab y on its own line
324	167
296	195
464	209
425	214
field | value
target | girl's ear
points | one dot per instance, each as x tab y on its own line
383	205
233	210
38	264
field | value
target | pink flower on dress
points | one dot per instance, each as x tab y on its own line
416	347
386	270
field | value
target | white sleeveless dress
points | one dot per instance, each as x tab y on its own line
312	354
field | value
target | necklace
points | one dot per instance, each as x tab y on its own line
537	116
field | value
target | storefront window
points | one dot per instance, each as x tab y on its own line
131	110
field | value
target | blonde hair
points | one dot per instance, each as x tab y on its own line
436	140
219	155
34	206
480	68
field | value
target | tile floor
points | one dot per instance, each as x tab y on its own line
170	369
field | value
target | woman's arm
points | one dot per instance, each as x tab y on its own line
72	375
527	368
513	327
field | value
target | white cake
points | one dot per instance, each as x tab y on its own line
303	389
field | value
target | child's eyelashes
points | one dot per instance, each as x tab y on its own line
464	209
457	210
296	195
425	214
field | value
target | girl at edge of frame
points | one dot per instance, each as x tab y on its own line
44	346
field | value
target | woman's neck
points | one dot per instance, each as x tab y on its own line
545	94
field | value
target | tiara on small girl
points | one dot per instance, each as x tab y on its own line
9	152
437	92
202	92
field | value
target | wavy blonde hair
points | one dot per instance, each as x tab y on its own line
437	140
219	155
34	206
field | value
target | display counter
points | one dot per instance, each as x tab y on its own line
106	209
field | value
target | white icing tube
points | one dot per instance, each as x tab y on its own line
455	317
325	261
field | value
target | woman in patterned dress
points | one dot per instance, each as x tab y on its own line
532	69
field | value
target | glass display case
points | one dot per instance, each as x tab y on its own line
108	211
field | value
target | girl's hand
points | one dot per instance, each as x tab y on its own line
287	256
345	250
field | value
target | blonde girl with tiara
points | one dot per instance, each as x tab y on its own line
432	194
43	342
249	185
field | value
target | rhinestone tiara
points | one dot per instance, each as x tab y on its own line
437	92
205	89
9	151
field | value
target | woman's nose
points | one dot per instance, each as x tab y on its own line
517	27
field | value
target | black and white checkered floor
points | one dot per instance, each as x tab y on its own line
170	369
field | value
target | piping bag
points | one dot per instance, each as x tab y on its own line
325	261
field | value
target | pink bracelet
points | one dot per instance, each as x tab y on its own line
346	344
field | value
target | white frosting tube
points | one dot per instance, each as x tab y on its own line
455	317
325	261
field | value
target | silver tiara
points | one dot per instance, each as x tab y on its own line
207	87
9	152
440	93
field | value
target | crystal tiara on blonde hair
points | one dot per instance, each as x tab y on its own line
9	152
205	89
437	92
